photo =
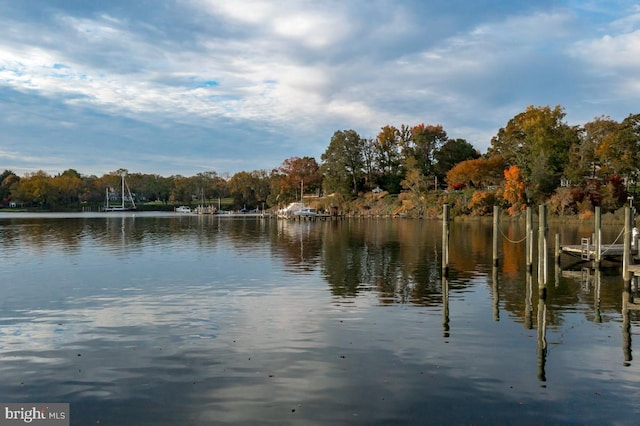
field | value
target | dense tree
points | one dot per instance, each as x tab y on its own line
620	153
33	189
7	179
371	172
66	188
387	147
452	152
585	163
249	189
538	141
342	163
183	189
298	174
426	140
478	173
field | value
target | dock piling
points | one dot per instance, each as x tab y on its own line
626	254
598	238
445	240
529	237
543	270
496	224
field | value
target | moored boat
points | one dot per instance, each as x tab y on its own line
124	197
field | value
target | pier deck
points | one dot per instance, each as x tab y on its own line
588	251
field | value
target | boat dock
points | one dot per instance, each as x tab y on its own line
588	251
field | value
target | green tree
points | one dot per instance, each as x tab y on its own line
452	152
342	163
387	148
426	140
584	159
249	189
620	153
538	141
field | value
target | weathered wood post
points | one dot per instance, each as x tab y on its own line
529	238
557	250
597	238
445	240
543	270
626	255
496	225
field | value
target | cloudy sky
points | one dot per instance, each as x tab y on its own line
186	86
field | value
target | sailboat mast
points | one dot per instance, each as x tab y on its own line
122	191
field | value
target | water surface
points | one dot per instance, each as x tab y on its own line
176	319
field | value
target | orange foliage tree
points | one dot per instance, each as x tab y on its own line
514	190
478	173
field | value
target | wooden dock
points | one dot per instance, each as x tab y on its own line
635	270
587	251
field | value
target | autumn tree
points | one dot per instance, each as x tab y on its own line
183	189
66	188
297	174
514	190
478	173
7	179
249	189
584	156
620	153
33	189
387	146
415	184
452	152
538	141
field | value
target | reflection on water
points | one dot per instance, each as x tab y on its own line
174	319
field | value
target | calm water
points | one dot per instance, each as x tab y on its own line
156	319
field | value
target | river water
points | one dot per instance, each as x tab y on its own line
166	319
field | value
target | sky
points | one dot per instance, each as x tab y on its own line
180	87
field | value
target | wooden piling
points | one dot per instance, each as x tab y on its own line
626	253
597	238
557	250
529	238
496	225
543	270
445	240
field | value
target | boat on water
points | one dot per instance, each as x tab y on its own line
124	197
183	209
291	210
307	212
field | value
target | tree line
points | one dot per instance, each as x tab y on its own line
536	158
